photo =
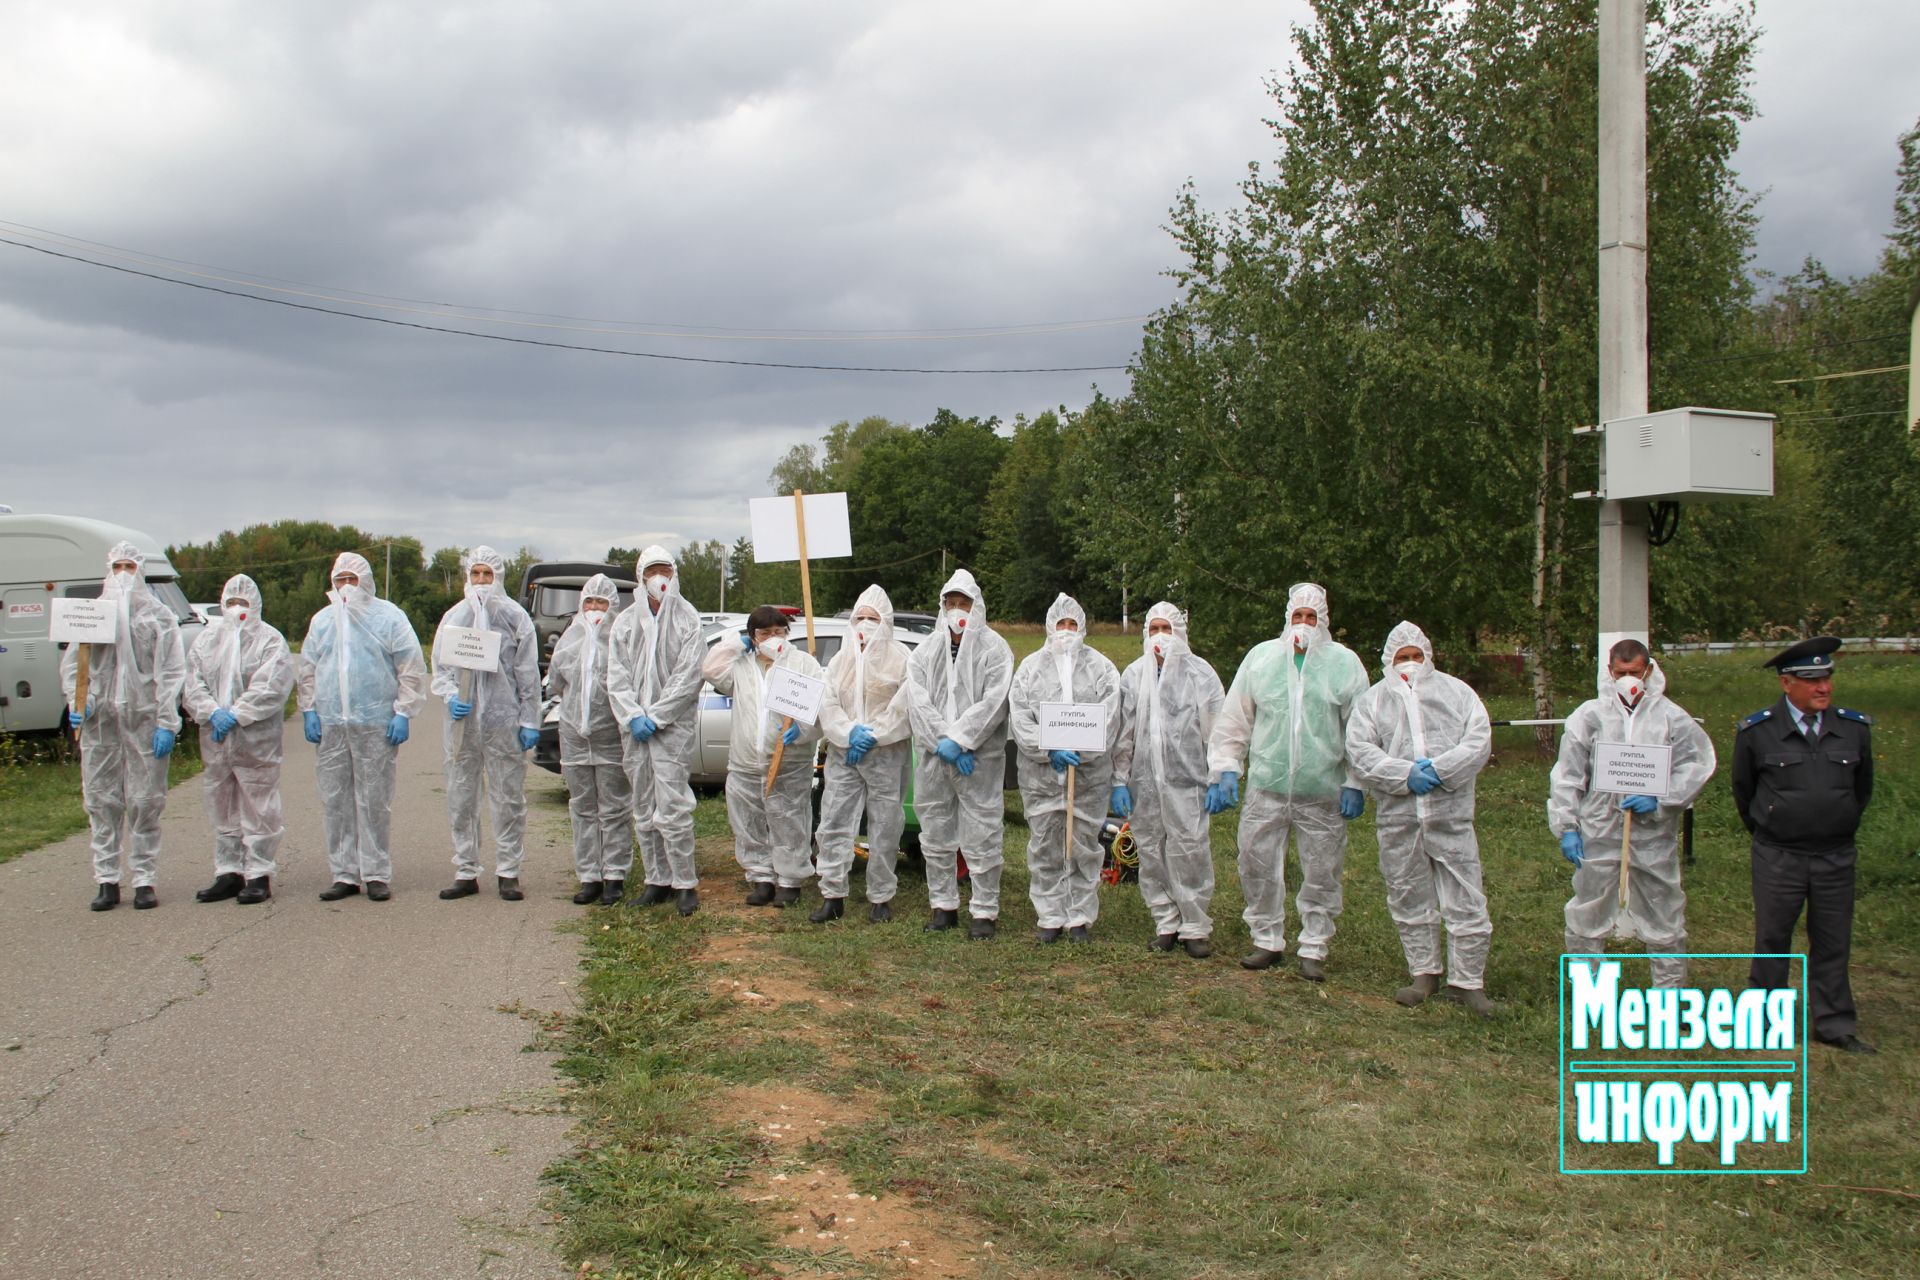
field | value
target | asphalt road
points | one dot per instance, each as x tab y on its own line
289	1090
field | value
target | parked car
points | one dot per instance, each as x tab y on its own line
44	556
206	612
550	593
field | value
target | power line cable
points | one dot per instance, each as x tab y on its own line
542	320
543	342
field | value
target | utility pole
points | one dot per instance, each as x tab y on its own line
725	559
1623	303
387	590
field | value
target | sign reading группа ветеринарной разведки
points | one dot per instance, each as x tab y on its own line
1680	1080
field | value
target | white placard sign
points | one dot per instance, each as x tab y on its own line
797	696
83	621
469	648
1629	769
776	535
1073	726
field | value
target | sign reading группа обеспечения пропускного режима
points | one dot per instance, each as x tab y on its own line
1680	1080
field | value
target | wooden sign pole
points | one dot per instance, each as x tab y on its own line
82	676
1070	773
806	604
1626	855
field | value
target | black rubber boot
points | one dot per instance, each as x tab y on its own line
587	894
459	889
1080	933
689	900
1261	958
1198	948
258	890
759	893
107	899
225	885
341	889
377	891
510	889
880	912
655	894
612	891
830	909
941	920
1047	937
981	929
784	897
1164	942
1416	992
144	899
1313	970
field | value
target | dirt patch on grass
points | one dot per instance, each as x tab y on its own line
815	1208
747	972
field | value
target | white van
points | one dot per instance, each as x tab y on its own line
46	556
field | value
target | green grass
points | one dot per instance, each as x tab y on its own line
40	789
1101	1111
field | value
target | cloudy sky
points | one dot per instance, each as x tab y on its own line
978	186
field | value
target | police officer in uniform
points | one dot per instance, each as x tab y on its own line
1802	776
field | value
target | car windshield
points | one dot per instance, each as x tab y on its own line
564	602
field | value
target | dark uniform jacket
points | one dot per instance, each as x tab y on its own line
1800	795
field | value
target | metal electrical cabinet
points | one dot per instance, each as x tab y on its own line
1689	455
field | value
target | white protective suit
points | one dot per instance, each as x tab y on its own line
772	832
1283	728
243	667
1063	883
653	669
1429	854
134	688
483	750
360	666
1656	911
592	759
865	686
1167	711
959	691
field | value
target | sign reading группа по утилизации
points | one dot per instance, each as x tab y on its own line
1699	1079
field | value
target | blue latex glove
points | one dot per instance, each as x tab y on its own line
74	718
459	710
949	750
397	730
529	738
855	755
1639	804
1062	760
1353	802
792	735
162	743
1573	848
1122	802
312	724
222	722
965	764
1433	774
1418	782
642	727
1224	794
746	641
862	739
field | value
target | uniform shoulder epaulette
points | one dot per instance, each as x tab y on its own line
1858	717
1763	714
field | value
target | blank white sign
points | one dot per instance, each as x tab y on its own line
776	533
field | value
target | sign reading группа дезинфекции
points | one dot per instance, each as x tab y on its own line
1697	1079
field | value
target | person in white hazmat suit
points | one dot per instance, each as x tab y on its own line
864	718
958	681
360	681
127	728
1169	700
1285	722
772	830
239	673
1632	707
653	678
493	720
599	794
1418	739
1064	883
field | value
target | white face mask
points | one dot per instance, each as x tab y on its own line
865	629
1066	641
480	592
772	648
124	579
593	617
1409	671
236	613
656	586
347	597
1630	689
1301	634
957	619
1159	644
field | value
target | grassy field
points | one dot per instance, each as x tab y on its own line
1103	1111
40	789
